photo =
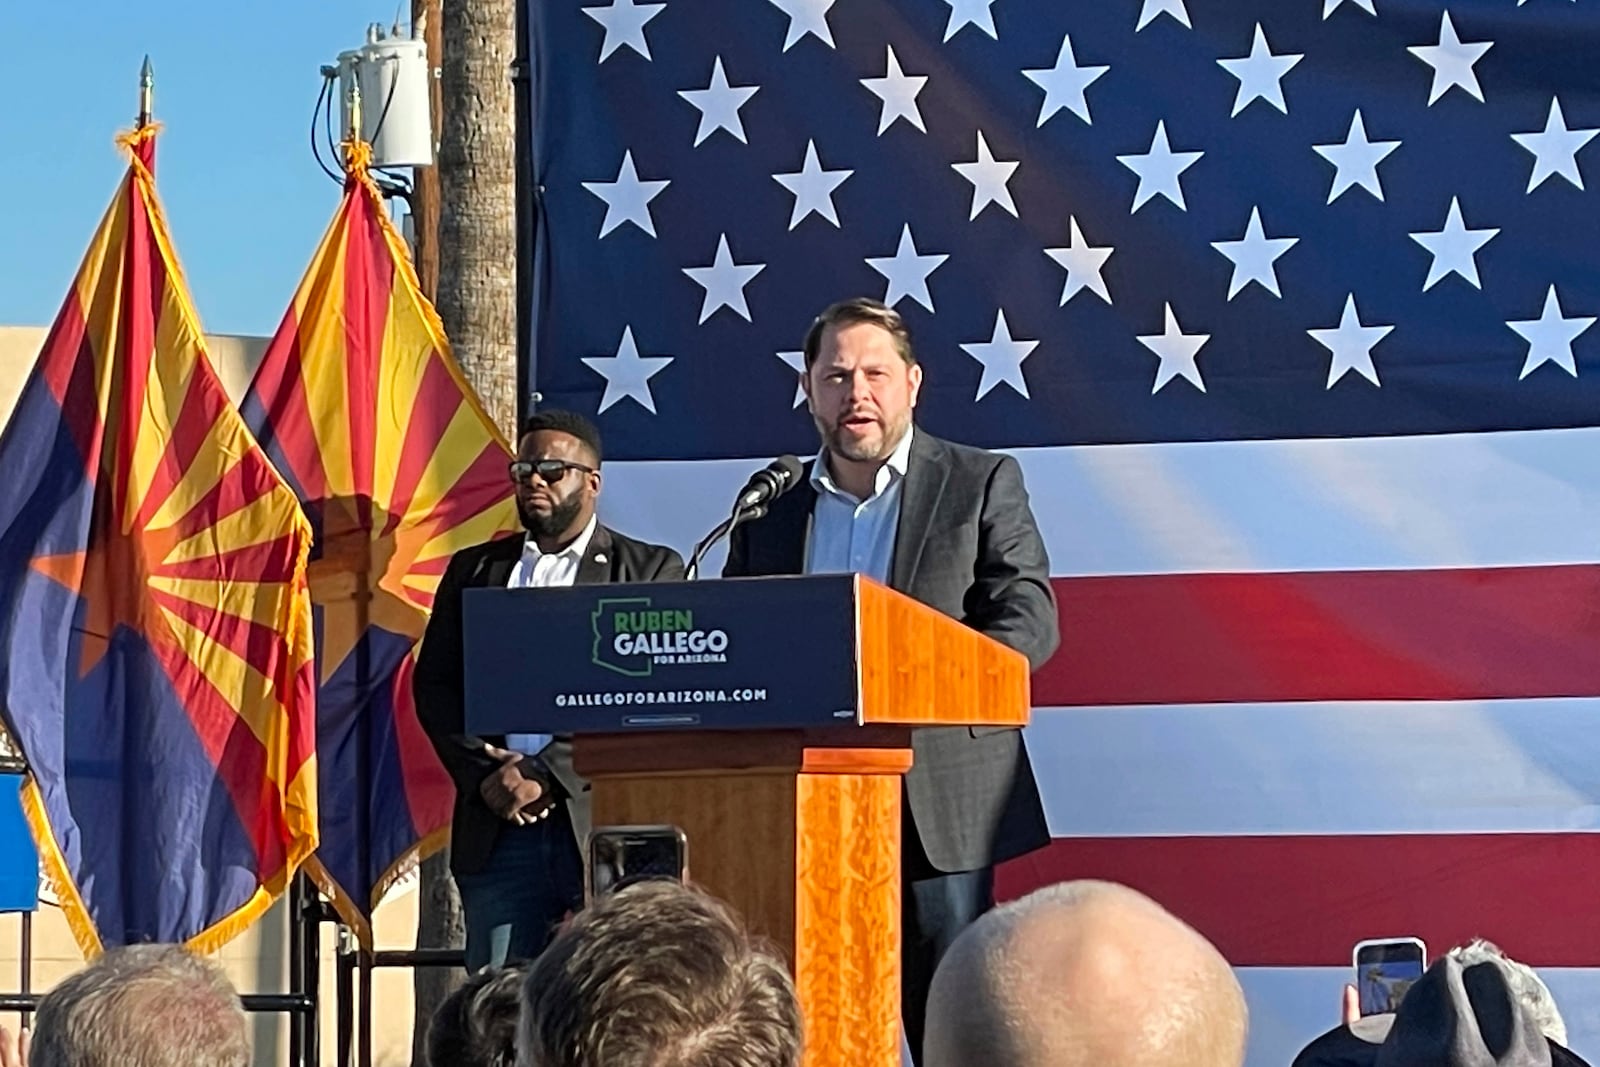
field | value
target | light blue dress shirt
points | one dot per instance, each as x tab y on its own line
852	536
546	570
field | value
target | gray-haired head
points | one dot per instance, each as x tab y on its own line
1525	985
1080	974
142	1006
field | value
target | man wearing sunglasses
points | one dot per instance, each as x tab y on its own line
521	812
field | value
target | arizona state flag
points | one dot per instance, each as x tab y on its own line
155	645
361	405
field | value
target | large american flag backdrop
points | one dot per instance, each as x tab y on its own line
1286	308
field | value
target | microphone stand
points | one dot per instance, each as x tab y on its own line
723	529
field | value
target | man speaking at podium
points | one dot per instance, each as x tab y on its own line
947	525
521	812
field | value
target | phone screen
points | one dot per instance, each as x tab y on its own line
630	853
1385	970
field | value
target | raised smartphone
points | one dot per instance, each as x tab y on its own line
620	854
1385	968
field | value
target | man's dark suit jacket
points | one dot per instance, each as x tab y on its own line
967	545
438	682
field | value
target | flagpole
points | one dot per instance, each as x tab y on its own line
147	92
364	957
353	102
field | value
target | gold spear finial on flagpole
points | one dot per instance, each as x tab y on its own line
357	154
353	99
147	92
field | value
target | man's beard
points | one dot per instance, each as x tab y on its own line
863	451
557	522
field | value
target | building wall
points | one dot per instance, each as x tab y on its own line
257	961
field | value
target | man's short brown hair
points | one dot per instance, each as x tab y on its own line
659	975
859	310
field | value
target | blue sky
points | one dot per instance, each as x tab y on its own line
235	86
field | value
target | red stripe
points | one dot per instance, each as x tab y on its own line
435	566
144	285
202	405
1305	901
246	483
268	562
259	646
239	757
145	149
281	390
300	694
368	278
1341	635
435	404
482	486
429	792
66	363
66	349
256	798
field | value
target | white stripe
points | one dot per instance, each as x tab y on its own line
673	503
1292	1006
1319	768
1452	500
1289	1006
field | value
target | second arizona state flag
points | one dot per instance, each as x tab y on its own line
361	405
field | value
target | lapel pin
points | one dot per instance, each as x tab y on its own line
600	557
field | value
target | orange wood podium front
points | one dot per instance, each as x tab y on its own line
800	829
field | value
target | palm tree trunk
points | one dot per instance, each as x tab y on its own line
478	209
439	925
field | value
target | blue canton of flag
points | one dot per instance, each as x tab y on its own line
1132	220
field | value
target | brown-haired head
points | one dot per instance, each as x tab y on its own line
659	975
476	1026
861	381
860	310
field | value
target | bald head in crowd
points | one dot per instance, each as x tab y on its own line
1084	974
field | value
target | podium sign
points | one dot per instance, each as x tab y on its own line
662	656
770	719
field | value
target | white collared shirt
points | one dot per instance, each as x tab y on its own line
546	570
849	535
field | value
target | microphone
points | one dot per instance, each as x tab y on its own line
764	486
768	484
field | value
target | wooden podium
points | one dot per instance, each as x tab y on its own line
789	791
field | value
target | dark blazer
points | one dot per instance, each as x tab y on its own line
438	681
966	544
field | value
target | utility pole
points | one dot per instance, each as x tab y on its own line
425	190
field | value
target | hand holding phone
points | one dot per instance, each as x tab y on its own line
1385	970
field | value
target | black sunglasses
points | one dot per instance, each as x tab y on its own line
550	471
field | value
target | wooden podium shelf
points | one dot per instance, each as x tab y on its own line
801	833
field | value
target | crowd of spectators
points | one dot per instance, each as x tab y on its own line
661	974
